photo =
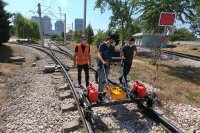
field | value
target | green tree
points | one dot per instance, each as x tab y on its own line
4	23
35	30
195	25
150	11
19	23
26	28
77	36
89	34
122	12
182	34
99	37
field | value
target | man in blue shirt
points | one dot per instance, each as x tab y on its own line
105	52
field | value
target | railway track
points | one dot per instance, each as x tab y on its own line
197	58
182	55
155	116
68	104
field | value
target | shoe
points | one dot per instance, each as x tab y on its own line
120	81
101	95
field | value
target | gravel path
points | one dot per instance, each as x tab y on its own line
32	107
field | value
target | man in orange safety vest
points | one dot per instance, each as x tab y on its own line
82	59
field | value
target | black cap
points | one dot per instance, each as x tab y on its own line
132	39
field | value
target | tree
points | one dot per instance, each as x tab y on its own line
100	36
195	25
77	36
182	34
150	11
26	28
122	12
4	23
89	34
35	30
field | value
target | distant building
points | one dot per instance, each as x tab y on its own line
79	25
59	27
46	24
149	39
35	18
47	27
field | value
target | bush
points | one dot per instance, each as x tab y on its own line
36	56
194	48
152	61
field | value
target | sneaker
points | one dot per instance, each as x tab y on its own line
120	80
101	96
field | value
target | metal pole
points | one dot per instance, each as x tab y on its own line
65	30
84	24
72	31
41	28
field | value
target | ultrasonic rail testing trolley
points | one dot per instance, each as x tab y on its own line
115	94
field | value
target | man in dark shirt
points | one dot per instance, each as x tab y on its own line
128	52
105	52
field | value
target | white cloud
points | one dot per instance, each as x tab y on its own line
63	3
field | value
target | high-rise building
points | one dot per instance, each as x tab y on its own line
59	27
35	18
46	24
79	25
47	27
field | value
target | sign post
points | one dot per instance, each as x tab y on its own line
167	20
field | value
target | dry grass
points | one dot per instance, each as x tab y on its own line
6	69
181	83
4	95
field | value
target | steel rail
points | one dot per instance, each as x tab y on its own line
87	124
193	57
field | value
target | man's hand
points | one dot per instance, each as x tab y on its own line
105	63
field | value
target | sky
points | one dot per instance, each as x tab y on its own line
72	8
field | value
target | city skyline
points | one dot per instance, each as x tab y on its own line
58	25
71	8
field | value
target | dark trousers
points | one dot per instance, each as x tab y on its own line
126	70
86	69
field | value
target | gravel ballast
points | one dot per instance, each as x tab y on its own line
32	107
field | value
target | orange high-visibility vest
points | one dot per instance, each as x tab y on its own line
82	58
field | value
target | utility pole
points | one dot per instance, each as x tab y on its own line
41	28
84	23
72	27
72	31
60	12
65	30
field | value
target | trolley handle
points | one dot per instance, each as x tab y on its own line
117	58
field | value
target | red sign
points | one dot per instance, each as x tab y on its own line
167	19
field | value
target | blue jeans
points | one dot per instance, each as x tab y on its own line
101	77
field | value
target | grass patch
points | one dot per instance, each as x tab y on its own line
177	93
189	98
152	61
36	56
4	95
